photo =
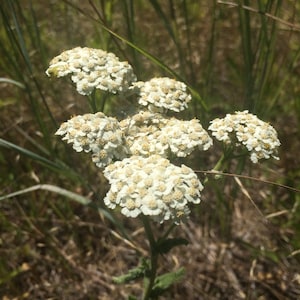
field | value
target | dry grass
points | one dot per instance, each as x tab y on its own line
77	258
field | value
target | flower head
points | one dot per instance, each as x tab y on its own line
245	129
163	93
150	133
152	186
97	134
143	134
93	69
185	136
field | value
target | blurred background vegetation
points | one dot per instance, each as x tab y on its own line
234	55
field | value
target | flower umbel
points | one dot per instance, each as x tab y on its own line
93	69
185	136
245	129
152	186
163	93
95	133
150	133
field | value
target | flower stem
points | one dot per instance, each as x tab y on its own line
172	226
220	163
150	278
92	101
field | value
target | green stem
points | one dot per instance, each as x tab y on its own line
153	261
218	166
173	225
220	163
92	102
154	253
227	155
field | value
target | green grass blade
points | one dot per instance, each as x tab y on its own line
40	159
20	37
9	48
145	53
207	87
265	56
129	12
18	63
11	81
51	188
72	196
164	18
247	50
157	62
56	165
171	27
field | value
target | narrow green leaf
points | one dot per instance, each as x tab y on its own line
164	18
11	81
51	188
30	154
19	35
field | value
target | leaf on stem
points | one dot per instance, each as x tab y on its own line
163	282
133	274
165	245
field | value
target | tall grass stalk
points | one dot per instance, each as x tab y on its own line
259	34
16	50
22	35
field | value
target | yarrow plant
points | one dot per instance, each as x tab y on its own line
136	153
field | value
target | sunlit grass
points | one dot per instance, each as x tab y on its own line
231	57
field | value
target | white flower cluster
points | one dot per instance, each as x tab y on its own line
149	133
244	128
143	134
97	134
185	136
163	93
134	151
93	69
152	186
